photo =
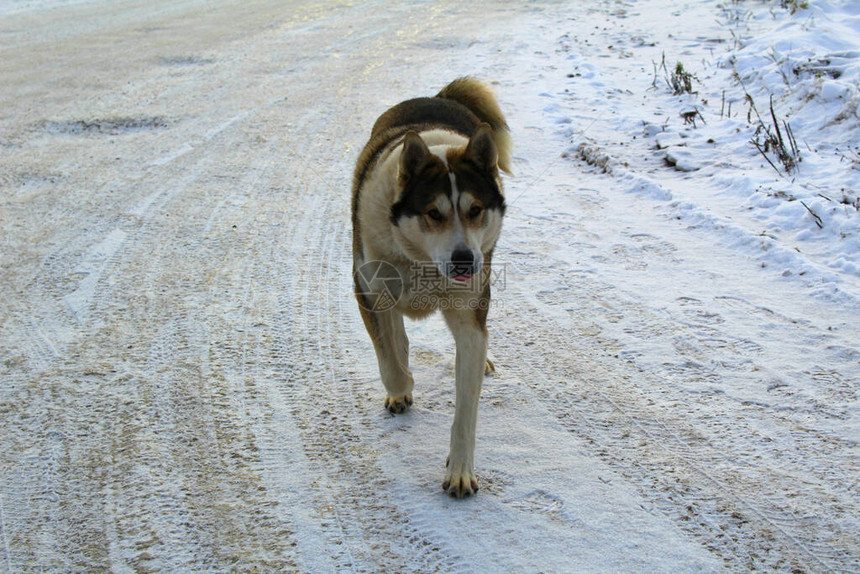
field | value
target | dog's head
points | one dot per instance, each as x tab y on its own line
450	203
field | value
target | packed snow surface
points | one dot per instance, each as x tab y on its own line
186	383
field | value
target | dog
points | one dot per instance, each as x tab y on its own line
427	209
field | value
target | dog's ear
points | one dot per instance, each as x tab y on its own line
413	158
482	150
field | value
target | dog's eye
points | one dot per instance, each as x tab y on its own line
475	211
435	215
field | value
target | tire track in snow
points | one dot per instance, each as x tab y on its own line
736	490
180	457
361	526
649	453
222	419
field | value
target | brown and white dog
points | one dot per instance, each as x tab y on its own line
427	208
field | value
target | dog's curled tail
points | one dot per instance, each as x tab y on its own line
478	97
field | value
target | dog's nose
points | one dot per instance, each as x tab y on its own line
462	265
463	257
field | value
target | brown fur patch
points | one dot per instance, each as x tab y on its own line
483	186
482	310
422	190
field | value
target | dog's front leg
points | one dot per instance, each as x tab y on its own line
389	338
470	336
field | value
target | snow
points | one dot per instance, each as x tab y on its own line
187	384
90	270
774	60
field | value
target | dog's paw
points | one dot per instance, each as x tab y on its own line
460	482
399	404
489	367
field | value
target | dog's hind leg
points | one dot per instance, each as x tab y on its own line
470	336
490	368
388	334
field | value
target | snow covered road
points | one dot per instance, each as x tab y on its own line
185	381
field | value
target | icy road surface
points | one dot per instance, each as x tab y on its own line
186	384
